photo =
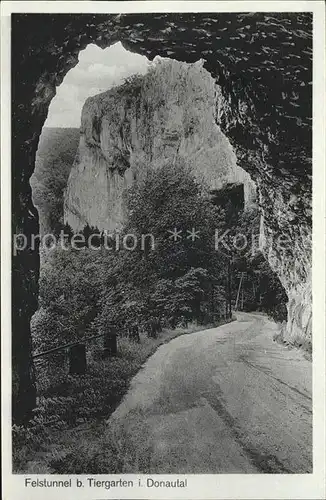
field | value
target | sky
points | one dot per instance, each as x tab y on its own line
97	71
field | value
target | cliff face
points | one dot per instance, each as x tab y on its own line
166	116
288	249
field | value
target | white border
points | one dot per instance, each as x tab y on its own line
132	7
222	486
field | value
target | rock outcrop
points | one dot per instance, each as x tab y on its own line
166	116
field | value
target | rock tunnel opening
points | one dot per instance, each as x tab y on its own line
274	146
233	192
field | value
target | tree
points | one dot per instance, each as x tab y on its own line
181	221
71	286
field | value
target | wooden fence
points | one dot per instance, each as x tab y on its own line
77	350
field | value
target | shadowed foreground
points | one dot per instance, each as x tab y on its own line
224	400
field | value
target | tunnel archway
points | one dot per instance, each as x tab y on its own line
264	108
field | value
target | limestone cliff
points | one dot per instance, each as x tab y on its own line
166	116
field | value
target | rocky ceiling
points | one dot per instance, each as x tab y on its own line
263	65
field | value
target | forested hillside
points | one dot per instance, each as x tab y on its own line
54	159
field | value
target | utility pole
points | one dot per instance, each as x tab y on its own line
238	294
229	289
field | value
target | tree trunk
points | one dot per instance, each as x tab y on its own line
110	343
77	360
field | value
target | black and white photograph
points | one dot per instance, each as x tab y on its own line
161	213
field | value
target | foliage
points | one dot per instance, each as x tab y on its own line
261	289
54	159
164	278
71	282
83	291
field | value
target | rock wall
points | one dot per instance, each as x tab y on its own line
166	116
284	184
262	63
288	250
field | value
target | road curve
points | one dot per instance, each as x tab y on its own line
223	400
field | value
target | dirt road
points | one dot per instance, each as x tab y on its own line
224	400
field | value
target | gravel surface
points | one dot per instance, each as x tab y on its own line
223	400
